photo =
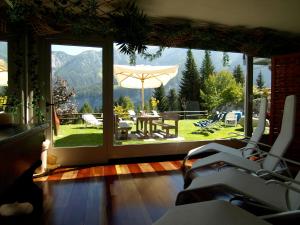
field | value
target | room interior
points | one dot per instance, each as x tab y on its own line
257	29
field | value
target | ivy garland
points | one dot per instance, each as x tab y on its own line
35	86
14	102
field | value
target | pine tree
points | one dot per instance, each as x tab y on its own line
125	102
190	82
159	94
86	108
173	100
238	74
260	83
225	59
207	67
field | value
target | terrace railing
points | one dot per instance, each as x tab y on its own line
191	114
73	118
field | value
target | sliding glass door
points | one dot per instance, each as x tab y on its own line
76	102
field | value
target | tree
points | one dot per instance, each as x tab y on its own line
190	82
159	94
153	103
125	102
63	96
207	68
225	59
86	108
221	89
173	100
260	83
238	74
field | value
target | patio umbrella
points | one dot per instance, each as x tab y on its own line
144	76
3	73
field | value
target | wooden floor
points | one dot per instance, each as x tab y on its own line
122	194
135	194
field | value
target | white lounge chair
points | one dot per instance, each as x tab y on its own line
154	113
271	160
209	213
132	115
90	119
230	119
242	152
275	194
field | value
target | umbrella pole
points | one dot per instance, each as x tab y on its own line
142	95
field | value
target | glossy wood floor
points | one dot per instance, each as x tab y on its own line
135	194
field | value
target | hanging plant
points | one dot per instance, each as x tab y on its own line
151	57
130	28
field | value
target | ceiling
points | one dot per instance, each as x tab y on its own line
282	15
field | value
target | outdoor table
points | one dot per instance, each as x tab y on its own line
144	120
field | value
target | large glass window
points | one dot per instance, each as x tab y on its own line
203	101
77	95
3	75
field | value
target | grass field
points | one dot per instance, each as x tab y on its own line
79	135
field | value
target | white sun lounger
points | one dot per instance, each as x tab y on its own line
242	152
279	196
91	120
209	213
271	160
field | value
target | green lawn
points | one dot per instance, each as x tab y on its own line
78	135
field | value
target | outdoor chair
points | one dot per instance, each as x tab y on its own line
121	128
166	127
242	152
207	122
230	119
267	161
279	193
132	115
90	119
154	113
213	212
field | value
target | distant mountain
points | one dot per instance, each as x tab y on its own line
59	59
84	71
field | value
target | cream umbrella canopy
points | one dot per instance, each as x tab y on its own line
3	73
144	76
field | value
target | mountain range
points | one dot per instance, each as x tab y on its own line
83	71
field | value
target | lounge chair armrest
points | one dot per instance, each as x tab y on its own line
263	144
285	184
287	214
264	172
281	158
245	149
256	154
277	175
247	140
